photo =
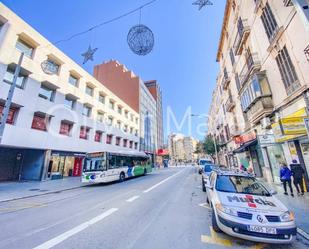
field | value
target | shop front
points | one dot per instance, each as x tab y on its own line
249	152
64	164
291	134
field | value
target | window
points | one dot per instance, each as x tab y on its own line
111	104
40	122
136	132
287	71
47	93
110	120
119	109
237	81
136	120
89	90
8	78
131	144
11	116
73	80
135	145
132	117
98	136
118	139
87	110
100	116
84	132
69	102
269	21
65	128
119	124
24	47
109	139
232	57
126	114
125	142
131	130
125	128
101	98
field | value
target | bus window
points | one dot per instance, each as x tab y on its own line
94	164
112	162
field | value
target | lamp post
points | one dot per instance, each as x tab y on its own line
8	102
213	137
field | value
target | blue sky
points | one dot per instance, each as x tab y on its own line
186	41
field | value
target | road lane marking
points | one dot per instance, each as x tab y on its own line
215	239
62	237
159	183
133	198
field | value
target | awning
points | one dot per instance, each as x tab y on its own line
243	147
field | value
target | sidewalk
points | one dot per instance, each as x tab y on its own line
298	204
19	190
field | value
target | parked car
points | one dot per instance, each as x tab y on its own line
202	162
243	207
206	171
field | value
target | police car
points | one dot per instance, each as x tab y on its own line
242	207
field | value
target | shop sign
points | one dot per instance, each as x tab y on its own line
162	152
267	139
245	138
289	127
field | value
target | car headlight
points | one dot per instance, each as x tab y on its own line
287	216
226	210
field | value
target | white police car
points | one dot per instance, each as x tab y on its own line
242	207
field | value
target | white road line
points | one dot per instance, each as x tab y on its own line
133	198
62	237
159	183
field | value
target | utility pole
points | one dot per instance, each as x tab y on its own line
9	98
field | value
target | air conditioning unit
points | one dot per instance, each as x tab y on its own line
265	123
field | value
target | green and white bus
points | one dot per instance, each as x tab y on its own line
109	166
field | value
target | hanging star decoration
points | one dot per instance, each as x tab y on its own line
202	3
88	55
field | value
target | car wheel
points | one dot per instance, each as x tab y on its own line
122	177
203	185
214	222
200	171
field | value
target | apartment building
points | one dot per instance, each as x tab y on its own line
182	148
144	98
59	111
261	95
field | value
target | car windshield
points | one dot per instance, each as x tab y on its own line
204	161
240	185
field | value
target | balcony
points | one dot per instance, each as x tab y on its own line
306	51
225	81
235	131
242	35
230	104
262	107
287	3
251	66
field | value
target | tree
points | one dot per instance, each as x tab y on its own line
208	146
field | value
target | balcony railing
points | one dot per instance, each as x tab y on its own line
242	35
230	104
262	107
287	3
226	81
306	51
251	66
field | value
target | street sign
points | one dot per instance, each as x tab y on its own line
267	139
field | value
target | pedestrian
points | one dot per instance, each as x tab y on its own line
298	173
285	177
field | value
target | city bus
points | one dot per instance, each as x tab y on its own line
109	166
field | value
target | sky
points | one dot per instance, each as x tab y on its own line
183	60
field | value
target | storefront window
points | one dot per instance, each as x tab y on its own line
276	157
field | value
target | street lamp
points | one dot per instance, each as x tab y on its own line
214	137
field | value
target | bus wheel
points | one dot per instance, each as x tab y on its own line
122	177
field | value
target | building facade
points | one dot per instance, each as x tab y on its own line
181	148
261	95
59	111
133	91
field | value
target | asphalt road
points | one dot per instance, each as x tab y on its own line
165	209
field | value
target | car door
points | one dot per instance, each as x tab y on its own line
211	184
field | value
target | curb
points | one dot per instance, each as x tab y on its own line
42	194
303	233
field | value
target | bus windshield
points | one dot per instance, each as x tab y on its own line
94	164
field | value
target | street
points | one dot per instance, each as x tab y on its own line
165	209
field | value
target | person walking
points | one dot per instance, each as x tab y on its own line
298	174
285	177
